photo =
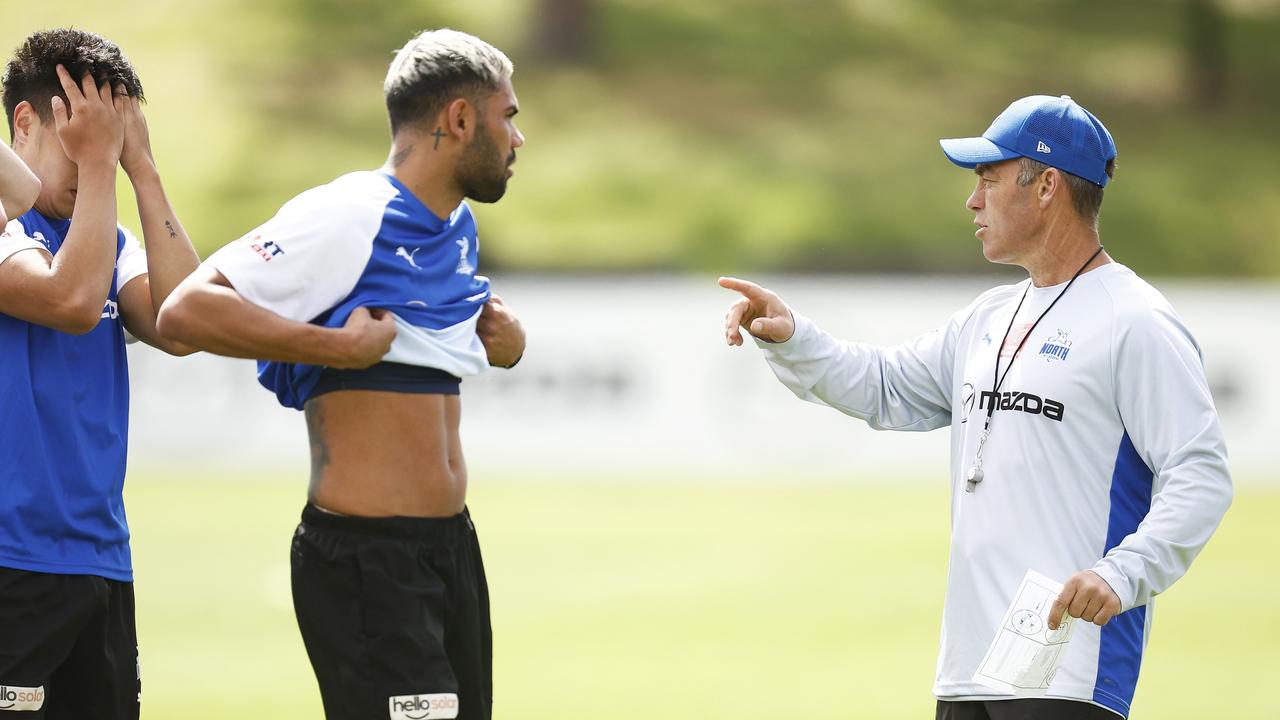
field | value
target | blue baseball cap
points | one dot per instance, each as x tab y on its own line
1054	130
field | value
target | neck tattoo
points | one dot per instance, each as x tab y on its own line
975	474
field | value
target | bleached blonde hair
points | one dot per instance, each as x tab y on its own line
434	68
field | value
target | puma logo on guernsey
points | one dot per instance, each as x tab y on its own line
23	699
408	256
1023	401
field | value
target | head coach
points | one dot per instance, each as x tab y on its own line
1084	441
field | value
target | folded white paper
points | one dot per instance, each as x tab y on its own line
1025	654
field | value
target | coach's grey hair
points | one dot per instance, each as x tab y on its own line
1086	196
434	68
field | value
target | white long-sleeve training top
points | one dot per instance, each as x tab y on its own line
1104	453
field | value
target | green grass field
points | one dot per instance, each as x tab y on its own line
670	599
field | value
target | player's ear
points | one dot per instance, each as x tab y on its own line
24	121
460	118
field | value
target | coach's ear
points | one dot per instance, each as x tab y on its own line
460	119
1048	185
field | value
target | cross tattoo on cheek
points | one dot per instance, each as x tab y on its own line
437	135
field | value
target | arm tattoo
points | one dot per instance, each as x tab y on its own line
319	450
401	155
173	234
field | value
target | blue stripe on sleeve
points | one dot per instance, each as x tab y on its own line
1120	647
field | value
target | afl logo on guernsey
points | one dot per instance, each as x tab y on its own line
1056	348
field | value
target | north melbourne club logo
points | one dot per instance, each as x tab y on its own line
464	265
1056	348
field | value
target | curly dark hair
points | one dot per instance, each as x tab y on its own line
31	74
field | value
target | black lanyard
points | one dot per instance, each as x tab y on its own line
997	379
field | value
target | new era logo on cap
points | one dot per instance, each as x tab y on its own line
1041	147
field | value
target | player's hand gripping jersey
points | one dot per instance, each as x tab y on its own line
364	240
1105	453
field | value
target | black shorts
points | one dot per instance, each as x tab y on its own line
1025	709
68	647
395	616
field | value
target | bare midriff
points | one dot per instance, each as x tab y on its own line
384	454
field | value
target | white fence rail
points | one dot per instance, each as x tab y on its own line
629	378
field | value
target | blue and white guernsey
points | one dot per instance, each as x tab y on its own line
364	240
1105	453
64	418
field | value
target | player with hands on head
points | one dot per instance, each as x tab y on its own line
72	281
1084	441
75	150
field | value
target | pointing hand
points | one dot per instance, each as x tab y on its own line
760	311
